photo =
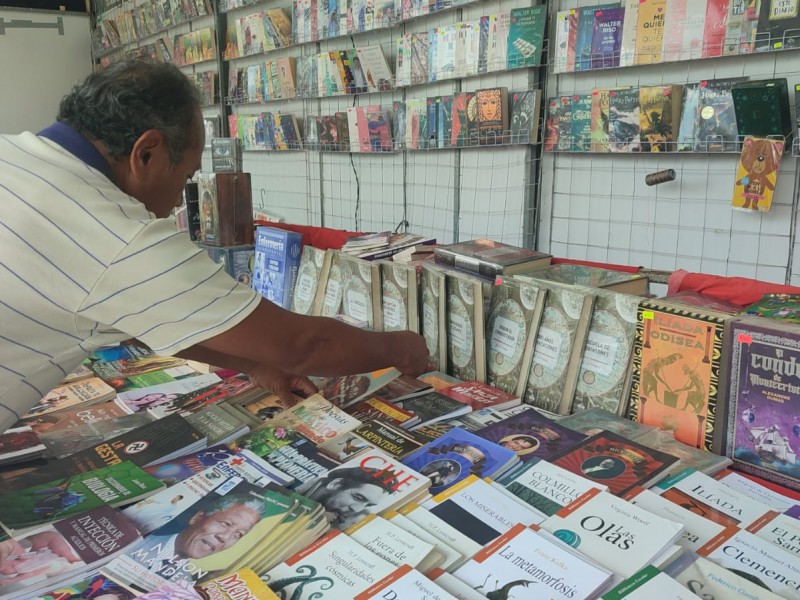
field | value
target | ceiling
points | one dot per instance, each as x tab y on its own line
68	5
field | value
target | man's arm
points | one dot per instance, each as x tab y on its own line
296	343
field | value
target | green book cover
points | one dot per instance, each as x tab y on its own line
122	483
526	36
581	125
762	108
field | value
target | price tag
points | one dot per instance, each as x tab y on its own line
648	315
744	338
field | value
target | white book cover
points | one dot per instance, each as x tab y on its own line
758	560
629	25
711	494
618	535
698	530
376	69
390	541
708	580
454	586
756	491
450	554
560	60
403	61
538	516
780	530
491	44
479	510
547	487
335	566
442	531
155	396
405	584
502	30
472	46
649	584
694	27
523	564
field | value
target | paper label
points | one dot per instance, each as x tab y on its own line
305	287
357	305
600	353
505	336
331	294
459	332
430	321
393	313
548	348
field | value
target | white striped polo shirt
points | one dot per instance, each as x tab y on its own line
83	265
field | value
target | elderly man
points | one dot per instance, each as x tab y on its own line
90	257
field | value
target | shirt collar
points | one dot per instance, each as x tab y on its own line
72	141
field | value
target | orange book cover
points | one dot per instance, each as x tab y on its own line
677	356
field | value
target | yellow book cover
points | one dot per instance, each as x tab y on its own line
757	174
659	114
241	584
650	31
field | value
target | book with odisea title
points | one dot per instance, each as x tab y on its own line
780	529
705	578
531	435
612	460
392	543
405	583
546	487
82	393
181	550
315	419
525	561
69	549
310	574
458	454
480	395
618	535
244	584
756	559
434	407
698	530
479	510
115	485
449	554
367	484
649	584
711	499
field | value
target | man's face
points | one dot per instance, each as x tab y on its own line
345	498
209	534
518	444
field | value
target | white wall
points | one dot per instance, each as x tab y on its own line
39	65
597	206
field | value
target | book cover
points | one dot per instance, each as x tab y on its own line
473	135
595	420
689	456
583	38
522	559
701	575
630	24
489	258
624	120
581	123
660	112
444	120
565	38
408	583
648	583
466	348
311	278
301	460
316	419
676	370
604	374
62	443
402	388
82	393
455	456
492	106
778	25
526	36
783	307
531	435
650	31
368	484
434	406
715	28
780	530
600	105
546	487
606	41
400	297
420	50
558	348
276	262
761	423
514	316
20	444
615	461
479	395
156	396
390	542
688	132
391	440
361	294
244	583
716	127
674	30
618	535
564	123
383	411
459	134
525	108
434	315
762	108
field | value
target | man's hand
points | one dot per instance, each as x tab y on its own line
411	353
280	383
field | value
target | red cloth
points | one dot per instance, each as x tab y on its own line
587	263
323	238
737	290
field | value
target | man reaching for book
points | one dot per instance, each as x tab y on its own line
90	257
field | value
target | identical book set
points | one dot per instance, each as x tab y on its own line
642	32
709	116
486	117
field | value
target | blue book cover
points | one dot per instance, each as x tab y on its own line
455	456
276	262
607	38
583	44
531	435
173	471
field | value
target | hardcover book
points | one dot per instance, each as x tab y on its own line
490	259
716	129
479	395
312	275
762	108
616	462
761	421
361	293
606	40
455	456
624	121
618	535
676	371
526	36
466	347
226	206
514	317
434	315
558	348
600	120
650	31
332	301
688	132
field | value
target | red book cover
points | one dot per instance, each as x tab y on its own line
615	461
716	23
481	395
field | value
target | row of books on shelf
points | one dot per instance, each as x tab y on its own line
127	24
631	32
380	486
482	118
709	116
183	50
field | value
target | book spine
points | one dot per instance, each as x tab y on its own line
467	264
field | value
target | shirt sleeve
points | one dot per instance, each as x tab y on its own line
167	292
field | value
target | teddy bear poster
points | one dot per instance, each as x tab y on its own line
757	174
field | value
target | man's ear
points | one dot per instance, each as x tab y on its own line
196	517
334	484
149	147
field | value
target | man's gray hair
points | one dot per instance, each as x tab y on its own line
117	105
233	499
